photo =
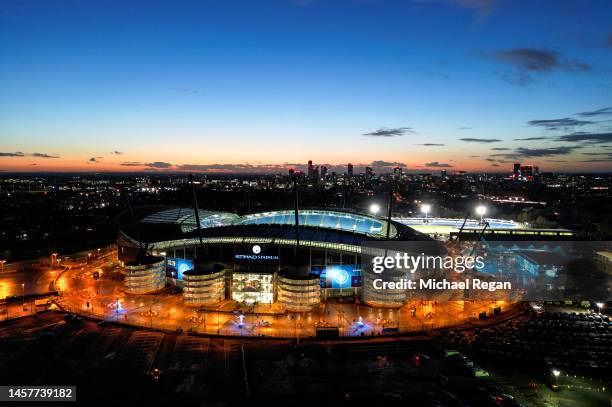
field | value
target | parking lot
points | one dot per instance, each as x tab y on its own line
132	367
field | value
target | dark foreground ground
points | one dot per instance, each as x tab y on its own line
113	365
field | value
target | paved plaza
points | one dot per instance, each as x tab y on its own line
104	298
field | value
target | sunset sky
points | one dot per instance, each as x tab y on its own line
261	86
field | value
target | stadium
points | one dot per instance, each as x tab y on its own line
251	258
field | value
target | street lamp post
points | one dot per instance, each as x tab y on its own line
22	294
556	373
2	266
600	306
425	208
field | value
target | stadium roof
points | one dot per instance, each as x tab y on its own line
163	224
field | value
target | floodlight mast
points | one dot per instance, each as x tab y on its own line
344	191
389	212
296	213
467	215
197	212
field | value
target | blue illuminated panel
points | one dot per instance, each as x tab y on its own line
340	276
175	267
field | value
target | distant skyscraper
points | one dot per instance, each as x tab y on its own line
350	170
323	171
443	173
369	173
528	171
516	172
397	173
310	169
525	172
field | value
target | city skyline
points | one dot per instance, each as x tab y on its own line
234	87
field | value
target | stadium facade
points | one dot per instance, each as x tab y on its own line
254	254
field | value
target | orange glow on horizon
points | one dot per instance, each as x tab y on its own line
23	164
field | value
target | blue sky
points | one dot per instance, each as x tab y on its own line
272	83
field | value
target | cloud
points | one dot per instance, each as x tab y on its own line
608	154
594	138
599	157
435	164
494	165
381	163
116	152
393	132
597	160
465	128
556	124
93	160
500	149
530	138
527	62
430	144
544	152
43	155
480	140
154	165
21	154
599	112
158	165
524	152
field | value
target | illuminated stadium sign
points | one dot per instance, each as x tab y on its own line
176	267
256	255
